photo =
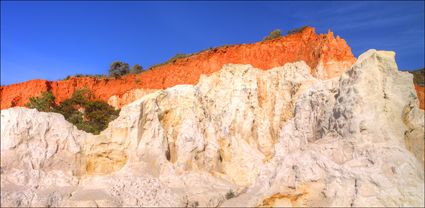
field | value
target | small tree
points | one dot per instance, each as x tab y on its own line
273	34
45	102
118	69
136	69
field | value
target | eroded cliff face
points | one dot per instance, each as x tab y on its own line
420	90
279	137
326	56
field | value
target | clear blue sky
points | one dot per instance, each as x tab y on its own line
51	40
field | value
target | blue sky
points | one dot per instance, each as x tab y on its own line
51	40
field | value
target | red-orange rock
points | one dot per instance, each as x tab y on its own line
19	94
420	91
326	55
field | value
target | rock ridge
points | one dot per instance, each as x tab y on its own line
326	56
239	137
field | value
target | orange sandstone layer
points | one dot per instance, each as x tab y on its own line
326	55
420	91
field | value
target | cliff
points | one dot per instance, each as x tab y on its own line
420	91
326	56
240	137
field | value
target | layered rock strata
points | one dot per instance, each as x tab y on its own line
240	137
326	56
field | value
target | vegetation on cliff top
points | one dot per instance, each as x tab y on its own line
80	109
119	68
136	69
273	35
419	76
277	33
172	59
116	70
297	30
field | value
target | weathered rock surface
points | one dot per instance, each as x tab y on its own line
118	101
326	55
420	90
346	145
240	137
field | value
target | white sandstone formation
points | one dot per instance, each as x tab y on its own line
240	137
132	95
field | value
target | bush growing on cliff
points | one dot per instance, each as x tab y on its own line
80	109
296	30
172	59
86	113
273	34
178	56
99	76
98	114
118	69
45	102
230	194
419	76
136	69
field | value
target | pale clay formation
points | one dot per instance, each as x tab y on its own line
240	137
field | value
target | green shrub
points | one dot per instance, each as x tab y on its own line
98	114
45	102
118	69
172	59
81	96
296	30
419	76
136	69
177	56
230	194
157	65
273	35
99	76
80	109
